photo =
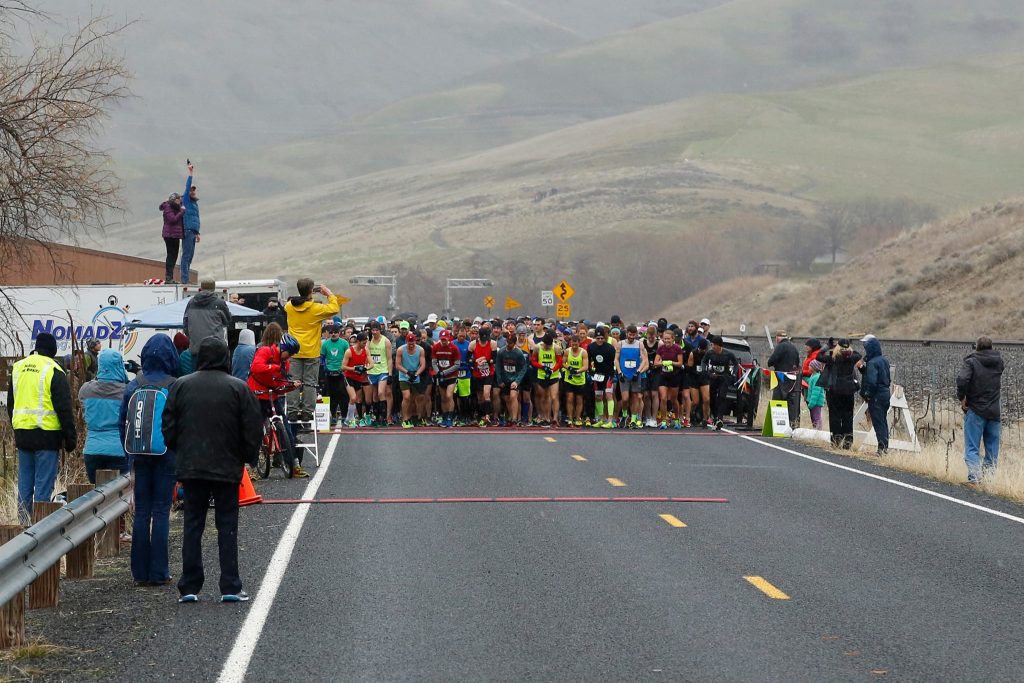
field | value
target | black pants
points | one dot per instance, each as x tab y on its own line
840	419
878	409
197	500
338	395
789	391
172	244
719	395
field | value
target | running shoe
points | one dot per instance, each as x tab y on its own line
651	422
719	424
447	423
662	425
188	597
406	424
608	424
686	423
578	423
299	473
709	424
240	596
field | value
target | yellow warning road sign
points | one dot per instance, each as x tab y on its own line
564	291
511	303
489	301
563	311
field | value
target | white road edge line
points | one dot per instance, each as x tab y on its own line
237	664
951	499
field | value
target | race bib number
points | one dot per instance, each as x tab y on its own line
629	365
375	357
598	378
443	363
667	365
510	369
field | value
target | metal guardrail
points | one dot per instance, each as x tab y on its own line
39	547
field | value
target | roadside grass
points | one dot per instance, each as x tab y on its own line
36	649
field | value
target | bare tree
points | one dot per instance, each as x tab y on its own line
55	182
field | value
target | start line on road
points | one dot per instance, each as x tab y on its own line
516	499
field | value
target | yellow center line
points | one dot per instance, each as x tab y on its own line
673	521
768	589
549	439
615	482
579	458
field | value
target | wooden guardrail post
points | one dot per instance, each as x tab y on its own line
43	592
81	562
108	541
12	615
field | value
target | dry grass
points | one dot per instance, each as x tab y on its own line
36	649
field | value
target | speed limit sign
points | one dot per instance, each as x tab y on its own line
547	298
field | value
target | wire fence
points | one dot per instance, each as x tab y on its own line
927	371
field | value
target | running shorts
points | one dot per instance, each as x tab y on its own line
377	379
574	389
463	387
549	382
633	386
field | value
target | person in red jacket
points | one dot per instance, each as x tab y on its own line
813	347
269	372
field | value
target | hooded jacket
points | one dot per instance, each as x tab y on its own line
159	368
241	359
840	374
206	315
979	381
304	318
172	220
190	221
42	439
212	420
785	357
877	376
101	402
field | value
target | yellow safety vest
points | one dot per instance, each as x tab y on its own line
33	405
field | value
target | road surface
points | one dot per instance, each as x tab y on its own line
809	571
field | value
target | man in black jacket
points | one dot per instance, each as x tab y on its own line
213	422
39	407
978	386
786	358
206	315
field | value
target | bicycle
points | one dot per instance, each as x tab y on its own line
275	451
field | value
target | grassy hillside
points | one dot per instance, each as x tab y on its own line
674	196
953	279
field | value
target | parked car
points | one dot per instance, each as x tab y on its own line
742	403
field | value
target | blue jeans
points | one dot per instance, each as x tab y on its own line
154	487
37	472
105	462
977	428
188	250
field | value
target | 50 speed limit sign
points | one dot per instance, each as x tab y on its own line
547	298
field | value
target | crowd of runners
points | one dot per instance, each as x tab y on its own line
525	372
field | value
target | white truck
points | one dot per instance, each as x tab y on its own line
102	312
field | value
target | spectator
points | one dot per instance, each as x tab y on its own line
274	314
213	422
184	355
91	358
813	347
978	386
206	315
842	386
173	232
786	359
304	317
815	393
190	225
101	401
875	390
39	407
241	359
154	473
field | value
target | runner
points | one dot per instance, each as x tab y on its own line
631	363
721	367
700	392
379	373
464	388
482	351
575	381
547	359
332	351
512	367
524	344
425	401
602	372
354	365
651	391
411	364
670	359
446	366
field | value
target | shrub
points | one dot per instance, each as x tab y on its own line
897	287
902	304
936	324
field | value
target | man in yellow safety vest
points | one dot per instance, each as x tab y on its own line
39	405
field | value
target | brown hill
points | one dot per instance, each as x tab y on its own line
951	279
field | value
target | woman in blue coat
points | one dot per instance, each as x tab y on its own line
101	400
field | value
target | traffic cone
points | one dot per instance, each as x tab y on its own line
246	493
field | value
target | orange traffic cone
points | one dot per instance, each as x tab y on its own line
246	493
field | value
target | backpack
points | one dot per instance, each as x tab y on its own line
144	419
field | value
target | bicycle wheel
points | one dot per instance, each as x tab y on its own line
284	451
262	469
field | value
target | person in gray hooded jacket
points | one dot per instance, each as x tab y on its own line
206	315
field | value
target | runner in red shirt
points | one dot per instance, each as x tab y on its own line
444	362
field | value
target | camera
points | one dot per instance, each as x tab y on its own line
318	289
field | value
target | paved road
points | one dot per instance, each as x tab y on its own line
882	581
